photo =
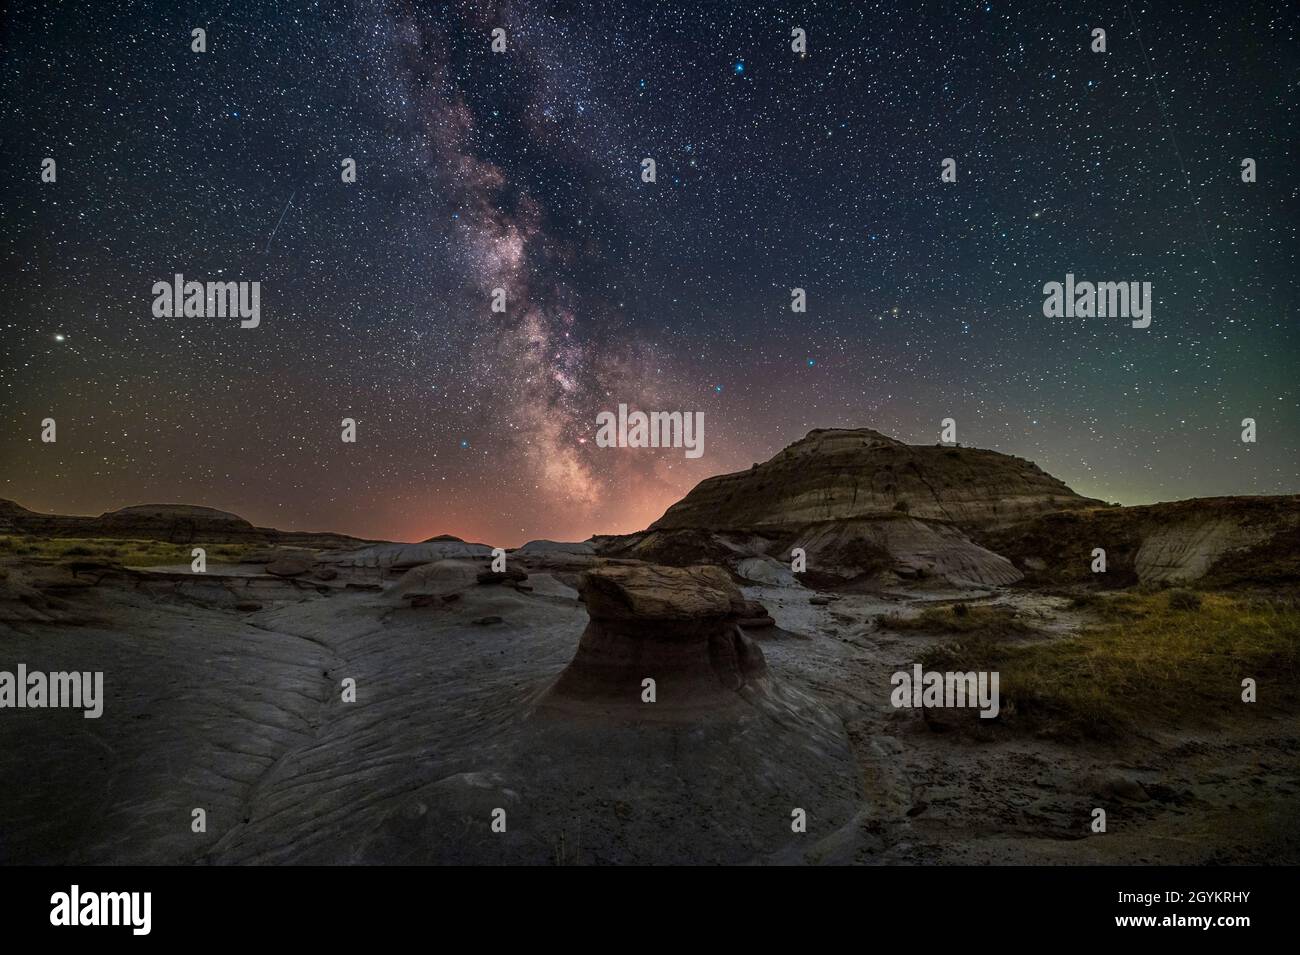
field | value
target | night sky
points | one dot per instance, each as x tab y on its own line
523	170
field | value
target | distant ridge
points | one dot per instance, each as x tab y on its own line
176	523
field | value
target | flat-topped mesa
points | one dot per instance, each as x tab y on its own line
839	474
674	625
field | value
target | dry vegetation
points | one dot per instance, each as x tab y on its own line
964	619
1173	659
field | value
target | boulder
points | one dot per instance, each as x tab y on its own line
439	578
766	570
290	566
1118	786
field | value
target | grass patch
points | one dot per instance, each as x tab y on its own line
127	551
971	621
1111	606
1147	663
1184	600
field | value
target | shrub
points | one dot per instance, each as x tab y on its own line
1184	600
993	622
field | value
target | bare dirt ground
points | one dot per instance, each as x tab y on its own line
239	712
1230	796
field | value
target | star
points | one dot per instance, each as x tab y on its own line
522	172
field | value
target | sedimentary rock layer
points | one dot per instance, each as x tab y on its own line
843	474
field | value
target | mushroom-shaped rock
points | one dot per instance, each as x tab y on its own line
673	625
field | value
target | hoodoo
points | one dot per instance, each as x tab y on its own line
675	626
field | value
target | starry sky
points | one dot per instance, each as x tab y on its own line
522	170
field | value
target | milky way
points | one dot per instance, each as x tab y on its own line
521	171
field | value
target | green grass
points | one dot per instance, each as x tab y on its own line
127	551
1146	663
1110	606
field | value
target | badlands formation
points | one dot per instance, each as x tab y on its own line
680	695
865	507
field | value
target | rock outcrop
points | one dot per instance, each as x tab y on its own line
861	506
676	626
840	474
406	556
1185	550
437	579
580	548
1219	540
